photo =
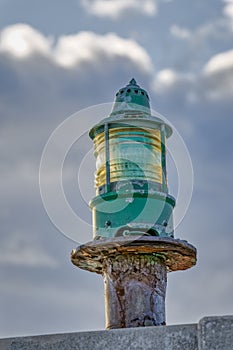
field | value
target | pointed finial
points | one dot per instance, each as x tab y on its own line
133	82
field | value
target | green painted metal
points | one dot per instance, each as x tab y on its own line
163	158
125	214
131	94
131	179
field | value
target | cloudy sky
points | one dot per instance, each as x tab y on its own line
58	57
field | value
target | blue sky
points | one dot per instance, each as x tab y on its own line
57	58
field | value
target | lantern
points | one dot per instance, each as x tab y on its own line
131	178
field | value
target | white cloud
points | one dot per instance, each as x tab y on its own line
196	45
169	79
178	32
166	77
91	47
25	250
218	76
100	54
116	8
108	52
220	62
228	9
21	40
214	81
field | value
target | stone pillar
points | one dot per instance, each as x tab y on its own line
135	289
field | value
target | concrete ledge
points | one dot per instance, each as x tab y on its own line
215	333
211	333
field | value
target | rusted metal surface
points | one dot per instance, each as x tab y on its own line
135	288
177	254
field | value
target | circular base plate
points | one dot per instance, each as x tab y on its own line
177	254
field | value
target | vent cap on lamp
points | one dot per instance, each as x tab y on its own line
131	98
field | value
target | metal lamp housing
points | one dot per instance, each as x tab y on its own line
131	179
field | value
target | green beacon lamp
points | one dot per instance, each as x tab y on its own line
133	243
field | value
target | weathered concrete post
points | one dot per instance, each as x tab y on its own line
134	245
135	288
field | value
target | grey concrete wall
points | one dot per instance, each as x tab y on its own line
210	333
216	333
